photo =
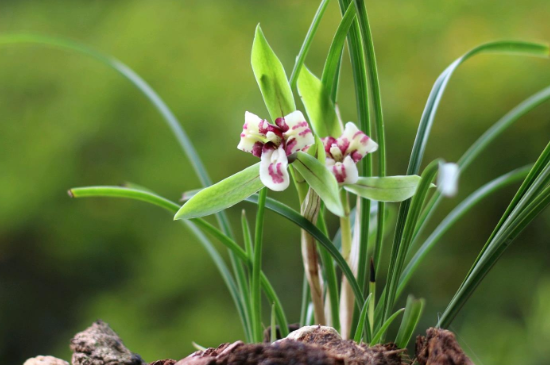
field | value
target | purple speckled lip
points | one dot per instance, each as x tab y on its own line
274	143
352	145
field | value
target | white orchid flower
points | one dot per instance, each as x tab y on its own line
344	152
273	143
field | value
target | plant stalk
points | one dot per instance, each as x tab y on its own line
346	297
310	210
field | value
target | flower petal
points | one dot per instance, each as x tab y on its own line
355	143
253	135
345	172
274	167
296	132
447	179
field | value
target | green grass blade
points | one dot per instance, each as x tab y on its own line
306	225
257	266
413	312
359	68
380	137
307	43
273	324
130	75
329	274
426	122
363	326
247	235
382	331
428	116
532	197
455	215
150	197
332	64
485	140
146	196
396	266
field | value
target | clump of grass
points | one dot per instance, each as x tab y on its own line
355	306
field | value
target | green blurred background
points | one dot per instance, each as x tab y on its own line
66	121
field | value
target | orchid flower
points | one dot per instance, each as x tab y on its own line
344	152
273	143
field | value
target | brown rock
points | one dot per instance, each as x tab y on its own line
440	347
45	360
100	345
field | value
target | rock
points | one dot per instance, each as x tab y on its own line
45	360
440	347
100	345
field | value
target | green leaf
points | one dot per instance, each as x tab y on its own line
531	199
321	238
378	336
385	189
146	195
399	252
222	195
464	207
413	312
332	64
363	324
321	180
319	106
271	77
255	281
307	42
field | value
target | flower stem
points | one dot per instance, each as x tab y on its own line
347	298
257	266
310	210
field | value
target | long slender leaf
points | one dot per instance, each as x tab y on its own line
484	141
321	180
531	199
396	267
428	116
382	331
454	216
257	267
146	196
307	42
332	63
150	197
501	47
363	325
306	225
271	77
374	84
222	195
413	312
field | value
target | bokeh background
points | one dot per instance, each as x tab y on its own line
67	120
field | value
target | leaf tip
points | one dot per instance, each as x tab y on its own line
70	193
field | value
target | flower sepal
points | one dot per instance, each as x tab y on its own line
385	189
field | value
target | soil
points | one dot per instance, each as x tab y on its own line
311	345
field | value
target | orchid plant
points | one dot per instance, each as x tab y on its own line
331	165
